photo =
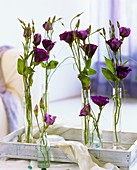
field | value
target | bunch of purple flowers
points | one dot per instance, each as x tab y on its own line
116	70
32	57
82	51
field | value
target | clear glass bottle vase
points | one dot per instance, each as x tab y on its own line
85	98
96	136
28	117
117	111
43	151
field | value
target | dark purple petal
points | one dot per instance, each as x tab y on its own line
89	49
122	71
67	36
40	55
48	44
114	44
47	26
124	32
100	100
37	39
49	119
85	110
83	34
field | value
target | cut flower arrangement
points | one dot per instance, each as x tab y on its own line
116	70
32	57
83	51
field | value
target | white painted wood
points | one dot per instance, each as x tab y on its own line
123	158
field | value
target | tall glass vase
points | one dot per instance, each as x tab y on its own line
43	151
28	115
85	97
117	98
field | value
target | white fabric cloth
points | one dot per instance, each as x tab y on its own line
76	151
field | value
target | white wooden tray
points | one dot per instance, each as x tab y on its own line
9	147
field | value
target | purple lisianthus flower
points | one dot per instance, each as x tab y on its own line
85	110
124	32
100	100
67	37
40	55
48	44
49	119
47	26
82	34
114	44
89	49
37	39
122	71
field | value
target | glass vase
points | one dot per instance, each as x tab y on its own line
28	116
85	97
96	136
117	111
43	151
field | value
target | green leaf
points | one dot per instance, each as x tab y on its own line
20	66
52	64
108	74
85	80
89	71
43	65
110	64
28	70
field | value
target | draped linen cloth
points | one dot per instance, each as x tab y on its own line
9	100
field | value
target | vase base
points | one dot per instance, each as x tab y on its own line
96	145
43	165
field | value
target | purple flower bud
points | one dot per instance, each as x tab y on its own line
40	55
47	26
89	49
48	44
122	71
27	32
85	110
67	37
37	39
82	34
124	32
100	100
114	44
49	119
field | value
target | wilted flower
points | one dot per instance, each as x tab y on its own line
114	44
124	32
49	119
37	39
48	44
40	55
100	100
85	110
122	71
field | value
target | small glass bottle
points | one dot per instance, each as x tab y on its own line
43	151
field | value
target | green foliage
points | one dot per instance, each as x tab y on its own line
110	64
108	74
